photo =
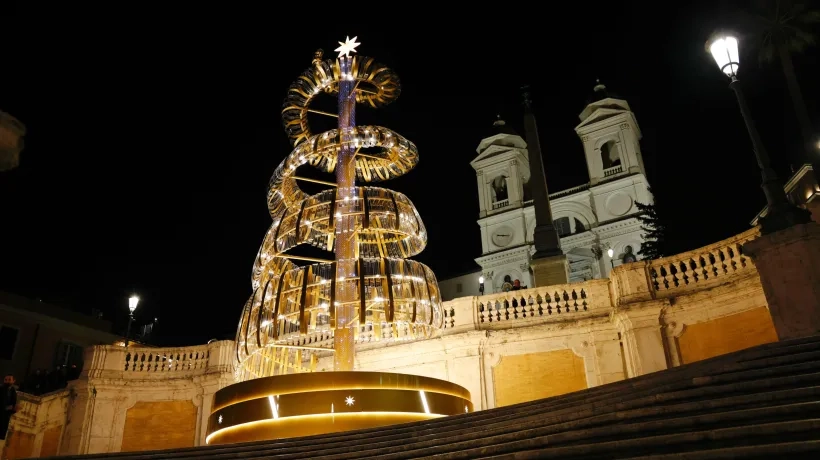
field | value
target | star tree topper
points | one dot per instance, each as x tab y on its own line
349	46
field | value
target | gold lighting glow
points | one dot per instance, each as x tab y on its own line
371	291
307	404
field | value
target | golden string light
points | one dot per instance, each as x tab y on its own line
295	310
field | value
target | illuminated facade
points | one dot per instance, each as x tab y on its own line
590	218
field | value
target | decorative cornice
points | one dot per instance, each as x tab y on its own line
504	257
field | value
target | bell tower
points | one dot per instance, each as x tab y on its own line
611	137
502	169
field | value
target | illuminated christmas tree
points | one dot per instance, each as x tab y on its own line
371	291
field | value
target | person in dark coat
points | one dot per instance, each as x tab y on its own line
8	403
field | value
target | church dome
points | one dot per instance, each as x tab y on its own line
599	93
503	135
501	127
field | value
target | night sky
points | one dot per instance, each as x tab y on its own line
152	134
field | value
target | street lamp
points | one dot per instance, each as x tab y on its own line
481	285
781	213
132	305
611	253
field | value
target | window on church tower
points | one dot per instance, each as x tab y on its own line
610	155
500	188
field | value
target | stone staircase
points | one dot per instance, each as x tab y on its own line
756	403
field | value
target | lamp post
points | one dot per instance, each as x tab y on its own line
611	252
781	213
481	285
132	305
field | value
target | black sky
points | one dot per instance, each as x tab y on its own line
152	134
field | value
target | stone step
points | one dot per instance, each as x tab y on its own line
564	436
763	386
761	434
576	433
573	421
559	412
785	449
579	408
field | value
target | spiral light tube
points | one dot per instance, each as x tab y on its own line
371	291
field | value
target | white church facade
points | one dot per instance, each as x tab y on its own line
591	218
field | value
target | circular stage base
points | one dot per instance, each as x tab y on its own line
325	402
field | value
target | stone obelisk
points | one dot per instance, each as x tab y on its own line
549	263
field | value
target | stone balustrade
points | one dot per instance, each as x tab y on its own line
613	170
35	429
33	410
549	303
701	268
144	362
501	204
686	273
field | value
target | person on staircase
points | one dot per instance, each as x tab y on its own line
8	403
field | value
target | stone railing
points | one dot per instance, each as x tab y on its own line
546	303
33	410
501	204
167	360
563	193
569	191
682	274
613	170
527	307
141	363
701	268
35	429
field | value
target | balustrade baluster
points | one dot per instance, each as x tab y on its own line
684	276
704	268
672	273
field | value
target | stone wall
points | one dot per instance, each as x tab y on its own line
504	348
649	316
159	425
125	399
36	428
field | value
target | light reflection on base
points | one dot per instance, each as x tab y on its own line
327	402
307	425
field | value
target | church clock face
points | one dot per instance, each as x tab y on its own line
502	236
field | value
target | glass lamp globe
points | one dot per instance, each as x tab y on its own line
132	303
610	252
724	50
481	279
